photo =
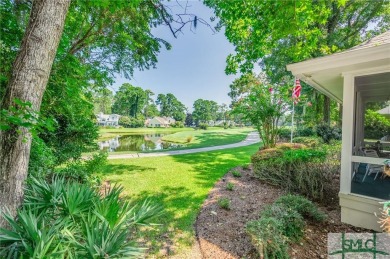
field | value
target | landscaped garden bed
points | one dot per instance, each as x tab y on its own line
222	232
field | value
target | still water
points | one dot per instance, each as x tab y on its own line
138	142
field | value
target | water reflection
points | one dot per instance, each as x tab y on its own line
137	142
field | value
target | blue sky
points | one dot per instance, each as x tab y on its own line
193	68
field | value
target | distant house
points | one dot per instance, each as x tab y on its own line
107	119
159	122
385	111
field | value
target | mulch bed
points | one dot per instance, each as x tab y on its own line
221	233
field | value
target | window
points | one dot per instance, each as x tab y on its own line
371	136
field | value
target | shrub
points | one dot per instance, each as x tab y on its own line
124	121
246	167
267	238
308	141
376	125
42	160
178	124
280	223
306	132
302	205
292	222
84	171
229	186
68	219
236	173
203	126
224	203
302	170
284	133
189	139
328	133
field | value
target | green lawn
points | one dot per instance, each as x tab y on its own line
179	183
208	138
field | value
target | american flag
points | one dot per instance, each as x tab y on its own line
296	90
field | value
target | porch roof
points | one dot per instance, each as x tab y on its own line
326	73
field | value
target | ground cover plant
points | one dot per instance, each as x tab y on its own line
70	219
224	203
281	223
180	184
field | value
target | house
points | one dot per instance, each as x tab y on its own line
157	122
355	78
107	119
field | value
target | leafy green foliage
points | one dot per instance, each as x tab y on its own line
297	31
298	169
129	100
292	221
328	133
203	126
280	223
376	125
267	237
204	111
224	203
303	206
70	219
84	171
312	142
170	106
116	40
260	104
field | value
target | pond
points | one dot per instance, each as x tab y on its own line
138	142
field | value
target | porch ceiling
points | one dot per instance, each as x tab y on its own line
326	73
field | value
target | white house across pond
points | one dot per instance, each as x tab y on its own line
159	122
107	119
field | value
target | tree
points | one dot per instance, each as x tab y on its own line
261	104
130	100
189	120
30	74
170	106
204	111
102	100
276	33
150	109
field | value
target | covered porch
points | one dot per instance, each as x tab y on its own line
358	78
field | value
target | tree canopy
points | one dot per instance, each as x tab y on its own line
170	106
276	33
204	111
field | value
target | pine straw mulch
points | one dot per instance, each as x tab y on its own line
221	233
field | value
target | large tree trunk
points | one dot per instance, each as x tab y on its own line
30	74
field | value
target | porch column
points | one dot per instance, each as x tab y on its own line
347	134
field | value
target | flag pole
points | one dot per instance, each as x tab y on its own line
292	121
293	110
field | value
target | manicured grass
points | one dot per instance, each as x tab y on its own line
179	183
208	138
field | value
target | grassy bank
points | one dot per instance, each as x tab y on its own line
208	138
179	183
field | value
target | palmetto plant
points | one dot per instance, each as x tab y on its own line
71	220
